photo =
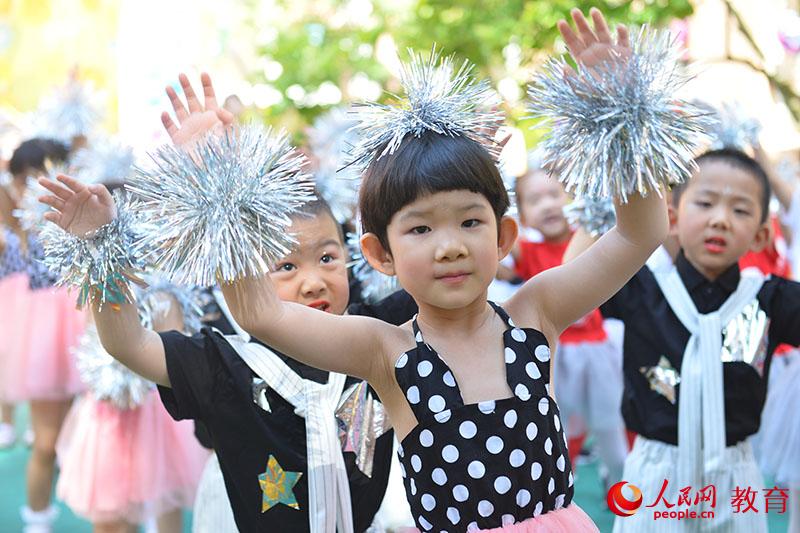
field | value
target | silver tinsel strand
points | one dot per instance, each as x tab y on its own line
330	138
104	161
439	98
69	112
619	129
152	307
375	286
731	128
595	215
108	379
220	212
100	265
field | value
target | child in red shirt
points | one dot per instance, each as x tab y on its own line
588	373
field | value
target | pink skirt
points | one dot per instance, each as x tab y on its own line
127	464
43	327
570	519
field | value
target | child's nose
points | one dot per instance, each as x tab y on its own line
450	248
313	285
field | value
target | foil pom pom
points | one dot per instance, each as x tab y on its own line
375	286
222	210
731	128
439	98
152	307
330	138
70	111
104	161
100	265
107	378
595	215
618	128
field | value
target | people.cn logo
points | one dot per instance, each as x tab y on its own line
619	504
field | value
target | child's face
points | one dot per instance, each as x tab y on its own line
445	248
719	217
541	202
315	273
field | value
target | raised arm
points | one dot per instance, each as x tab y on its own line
350	345
560	296
353	345
783	189
80	209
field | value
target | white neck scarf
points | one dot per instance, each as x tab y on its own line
701	408
328	487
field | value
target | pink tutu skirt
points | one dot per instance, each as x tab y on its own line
127	464
43	327
570	519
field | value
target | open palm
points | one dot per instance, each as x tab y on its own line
77	208
196	118
590	47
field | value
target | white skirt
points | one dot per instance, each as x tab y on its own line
212	508
651	462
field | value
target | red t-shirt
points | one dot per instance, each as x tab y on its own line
535	257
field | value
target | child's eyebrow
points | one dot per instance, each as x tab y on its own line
736	197
420	213
327	242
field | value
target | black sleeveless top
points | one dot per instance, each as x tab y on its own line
489	464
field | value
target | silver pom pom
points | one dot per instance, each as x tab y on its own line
107	378
375	286
439	98
731	128
100	265
330	138
221	211
595	215
619	129
104	161
69	112
151	307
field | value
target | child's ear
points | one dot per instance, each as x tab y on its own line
672	213
376	255
507	236
762	238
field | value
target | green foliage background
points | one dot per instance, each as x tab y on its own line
333	40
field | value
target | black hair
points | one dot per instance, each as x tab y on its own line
425	165
315	208
739	160
34	153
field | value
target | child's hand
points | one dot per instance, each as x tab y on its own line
79	209
200	118
591	48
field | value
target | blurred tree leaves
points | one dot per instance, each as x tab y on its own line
320	44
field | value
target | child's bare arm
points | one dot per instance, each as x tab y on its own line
579	243
81	209
348	344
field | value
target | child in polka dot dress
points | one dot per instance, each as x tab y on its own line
466	383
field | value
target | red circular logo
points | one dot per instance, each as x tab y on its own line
619	504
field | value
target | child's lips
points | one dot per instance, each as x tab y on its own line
453	278
715	245
322	305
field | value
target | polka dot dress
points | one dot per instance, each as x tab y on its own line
484	465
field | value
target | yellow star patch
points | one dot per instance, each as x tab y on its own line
276	485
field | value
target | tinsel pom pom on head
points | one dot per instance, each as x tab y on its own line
70	111
329	139
108	379
595	215
103	161
618	128
100	266
731	128
221	211
439	98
